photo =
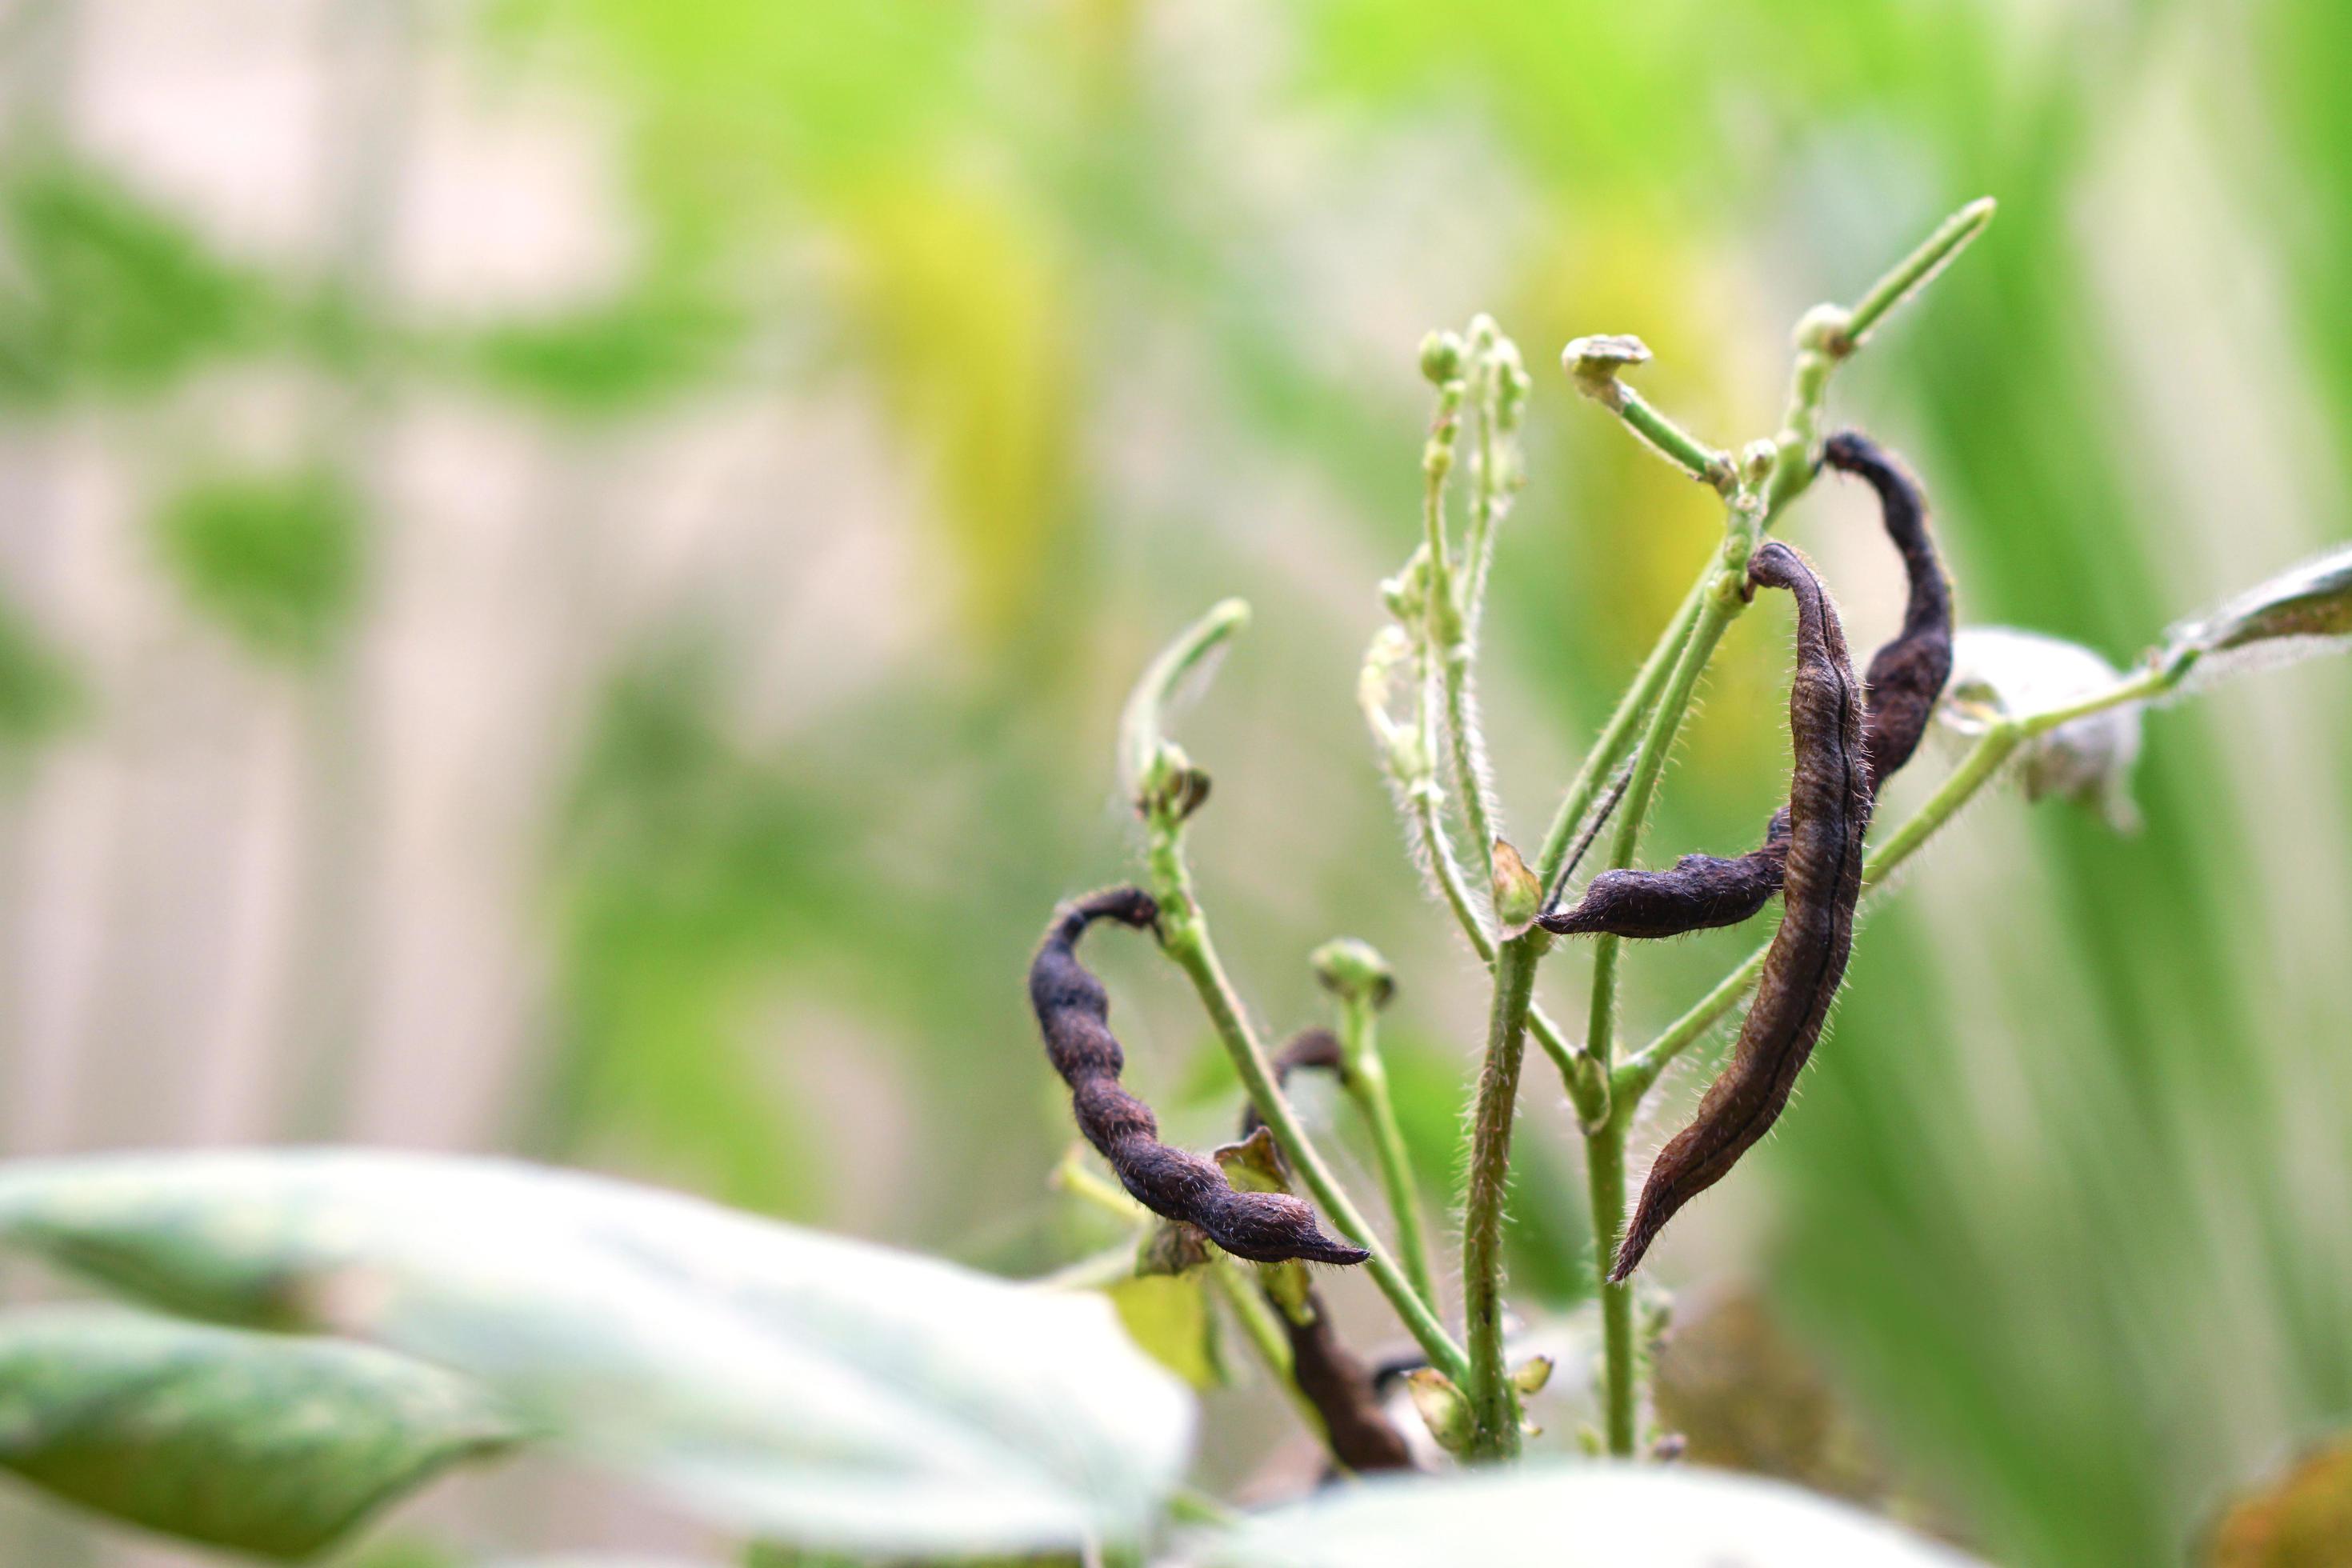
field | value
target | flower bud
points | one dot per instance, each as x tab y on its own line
1440	358
1442	1409
1823	331
1519	896
1354	970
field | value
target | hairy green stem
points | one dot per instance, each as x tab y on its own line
1140	727
1717	606
1447	657
1365	1077
1718	602
1493	1401
1911	274
1676	444
1185	938
1264	1333
1478	540
1605	1167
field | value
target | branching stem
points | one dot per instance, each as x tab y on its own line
1185	938
1494	1401
1264	1333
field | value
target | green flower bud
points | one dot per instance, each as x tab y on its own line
1824	329
1354	970
1519	896
1442	1409
1440	358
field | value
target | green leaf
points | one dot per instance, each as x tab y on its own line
268	1445
108	290
39	693
2304	610
276	559
785	1384
1168	1316
1572	1516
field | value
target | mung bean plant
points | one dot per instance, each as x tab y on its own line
294	1340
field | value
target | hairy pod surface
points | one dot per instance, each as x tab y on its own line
1073	1014
1830	799
1700	892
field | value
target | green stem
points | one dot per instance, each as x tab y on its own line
1829	335
1478	541
1718	602
1099	1272
1447	659
1188	1506
1604	1166
1911	274
1462	744
1717	605
1266	1336
1185	938
1366	1080
1676	444
1073	1177
1493	1401
2152	681
1140	724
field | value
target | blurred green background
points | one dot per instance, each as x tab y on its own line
567	571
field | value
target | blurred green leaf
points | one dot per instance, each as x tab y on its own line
1573	1516
38	692
269	1445
610	360
1168	1315
406	1553
108	289
683	856
277	559
784	1384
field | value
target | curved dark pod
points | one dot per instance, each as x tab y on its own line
1829	811
1073	1013
1700	892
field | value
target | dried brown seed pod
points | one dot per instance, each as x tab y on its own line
1699	892
1829	811
1073	1013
